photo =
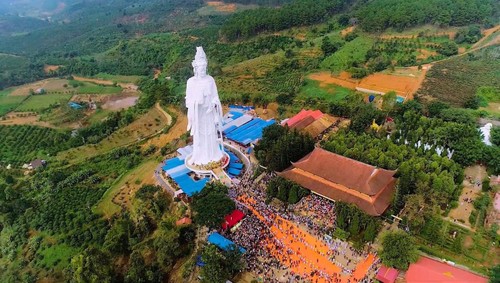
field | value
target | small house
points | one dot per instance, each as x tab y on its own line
40	91
37	163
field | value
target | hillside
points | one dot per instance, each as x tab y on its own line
97	89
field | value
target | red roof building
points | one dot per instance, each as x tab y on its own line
309	115
340	178
232	219
429	270
311	122
387	274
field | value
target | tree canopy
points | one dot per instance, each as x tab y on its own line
220	265
379	15
398	250
211	205
279	146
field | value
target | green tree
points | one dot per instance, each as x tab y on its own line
279	146
139	272
388	100
448	48
495	136
92	266
495	274
211	205
215	270
354	225
328	47
370	232
366	114
167	246
434	108
117	238
398	250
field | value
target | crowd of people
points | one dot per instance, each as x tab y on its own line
278	248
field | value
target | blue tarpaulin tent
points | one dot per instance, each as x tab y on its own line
221	242
75	105
199	261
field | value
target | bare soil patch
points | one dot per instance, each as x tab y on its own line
266	113
472	187
222	7
347	31
157	73
492	107
143	175
343	79
402	85
127	87
50	68
134	19
116	103
24	118
175	132
404	81
48	84
486	33
424	53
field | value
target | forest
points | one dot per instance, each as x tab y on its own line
379	15
298	13
57	204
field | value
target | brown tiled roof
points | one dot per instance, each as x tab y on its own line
320	125
303	123
340	178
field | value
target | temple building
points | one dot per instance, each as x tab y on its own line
312	122
340	178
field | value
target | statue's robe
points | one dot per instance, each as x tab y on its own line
205	116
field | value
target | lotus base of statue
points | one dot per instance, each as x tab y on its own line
207	168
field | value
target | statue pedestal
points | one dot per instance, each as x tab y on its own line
208	168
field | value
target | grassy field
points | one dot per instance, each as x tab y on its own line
353	51
9	103
329	93
90	88
148	124
99	115
5	91
118	78
124	186
38	103
57	256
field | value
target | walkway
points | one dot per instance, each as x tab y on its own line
303	253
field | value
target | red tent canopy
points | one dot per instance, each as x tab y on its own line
232	219
430	270
387	274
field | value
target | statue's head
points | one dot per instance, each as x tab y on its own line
200	62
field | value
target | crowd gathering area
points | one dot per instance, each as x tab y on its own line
282	245
292	242
279	244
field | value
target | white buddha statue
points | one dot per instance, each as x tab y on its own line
204	113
